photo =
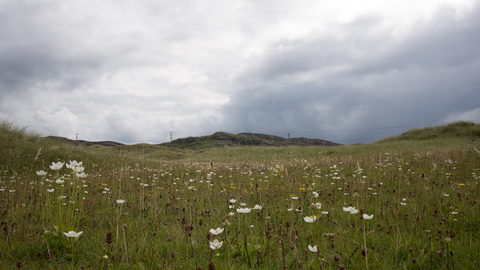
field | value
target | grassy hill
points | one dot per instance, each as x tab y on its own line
464	130
19	147
220	139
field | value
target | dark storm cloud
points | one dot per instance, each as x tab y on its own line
358	76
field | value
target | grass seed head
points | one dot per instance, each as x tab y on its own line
336	257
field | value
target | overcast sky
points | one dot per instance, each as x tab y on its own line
133	71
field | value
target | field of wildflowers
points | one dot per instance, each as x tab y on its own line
402	209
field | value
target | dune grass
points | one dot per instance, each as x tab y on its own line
149	207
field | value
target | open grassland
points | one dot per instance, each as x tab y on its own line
395	204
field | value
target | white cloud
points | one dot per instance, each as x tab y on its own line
62	120
471	115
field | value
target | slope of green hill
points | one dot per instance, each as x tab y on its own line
462	129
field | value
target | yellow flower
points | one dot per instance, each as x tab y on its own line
461	185
301	189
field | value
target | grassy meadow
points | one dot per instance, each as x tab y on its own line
406	202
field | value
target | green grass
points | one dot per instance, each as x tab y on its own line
423	195
454	130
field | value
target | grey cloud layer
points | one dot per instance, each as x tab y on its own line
120	70
356	77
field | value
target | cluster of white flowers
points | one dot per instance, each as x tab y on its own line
244	210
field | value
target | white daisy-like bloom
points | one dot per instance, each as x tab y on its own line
313	249
120	201
446	195
453	213
257	207
74	164
318	205
365	216
315	194
73	234
79	169
325	212
402	203
41	173
289	209
51	190
59	181
231	206
232	201
244	210
216	244
310	219
216	231
243	204
57	166
350	209
294	198
81	175
231	213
